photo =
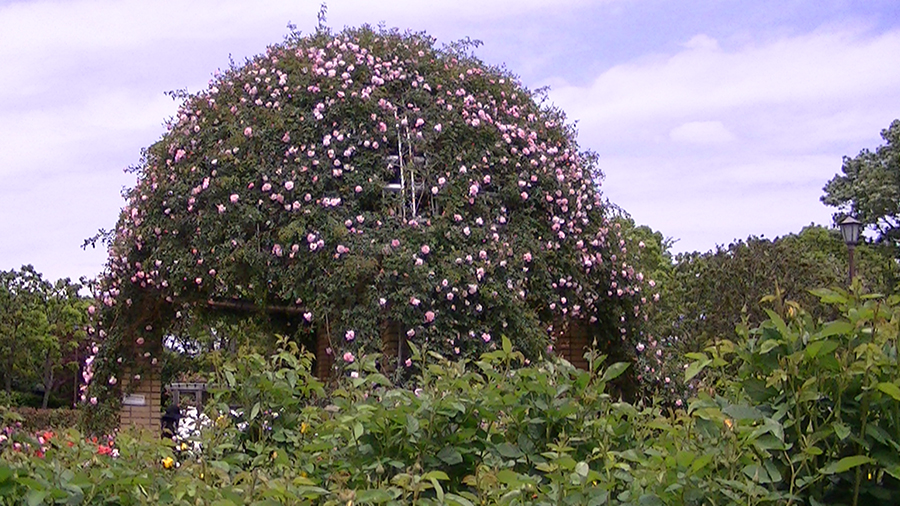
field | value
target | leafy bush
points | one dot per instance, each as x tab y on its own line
808	414
35	419
821	399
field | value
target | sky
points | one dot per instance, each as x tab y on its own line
714	120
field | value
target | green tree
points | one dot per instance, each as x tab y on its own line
869	188
704	297
57	349
22	323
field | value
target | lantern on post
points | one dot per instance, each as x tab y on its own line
850	230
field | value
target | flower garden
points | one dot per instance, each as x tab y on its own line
394	269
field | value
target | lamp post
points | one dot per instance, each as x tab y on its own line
850	229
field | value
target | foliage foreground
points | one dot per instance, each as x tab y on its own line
791	412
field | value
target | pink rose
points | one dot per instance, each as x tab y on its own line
248	132
350	335
425	249
348	357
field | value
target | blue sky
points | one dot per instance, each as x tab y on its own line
714	120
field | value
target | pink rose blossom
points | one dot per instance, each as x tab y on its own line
429	316
248	132
350	335
348	357
425	249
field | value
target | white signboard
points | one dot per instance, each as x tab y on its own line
134	400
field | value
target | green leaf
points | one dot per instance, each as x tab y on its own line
819	348
508	477
893	471
890	389
373	496
254	411
739	412
846	463
769	345
841	431
695	368
779	323
834	328
435	475
701	462
762	474
450	456
456	500
614	371
582	469
36	498
508	450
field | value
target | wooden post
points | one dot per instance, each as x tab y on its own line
324	359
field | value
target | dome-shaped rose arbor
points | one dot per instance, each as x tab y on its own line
367	189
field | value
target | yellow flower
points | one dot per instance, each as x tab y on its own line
304	427
168	462
729	423
183	446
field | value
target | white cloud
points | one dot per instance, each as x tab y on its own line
793	107
701	132
822	68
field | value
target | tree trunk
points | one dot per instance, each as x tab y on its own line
47	376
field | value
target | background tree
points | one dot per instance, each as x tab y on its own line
57	350
706	296
42	329
869	188
22	324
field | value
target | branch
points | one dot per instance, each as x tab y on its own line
242	305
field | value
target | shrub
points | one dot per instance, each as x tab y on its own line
35	419
821	401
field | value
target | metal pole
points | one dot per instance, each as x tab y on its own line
851	249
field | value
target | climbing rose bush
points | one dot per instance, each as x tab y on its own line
362	177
